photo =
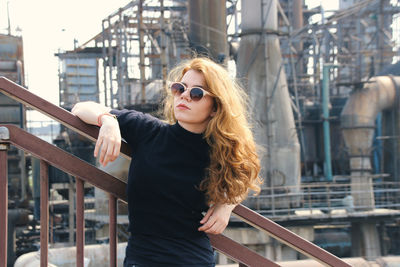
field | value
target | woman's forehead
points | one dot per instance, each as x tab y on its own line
193	77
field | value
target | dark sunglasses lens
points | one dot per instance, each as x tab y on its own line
177	88
196	94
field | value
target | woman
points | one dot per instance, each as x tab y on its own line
186	176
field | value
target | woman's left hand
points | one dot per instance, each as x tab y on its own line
216	218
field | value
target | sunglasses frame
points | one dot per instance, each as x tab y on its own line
190	89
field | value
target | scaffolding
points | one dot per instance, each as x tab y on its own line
357	39
137	45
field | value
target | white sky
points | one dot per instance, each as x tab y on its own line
50	25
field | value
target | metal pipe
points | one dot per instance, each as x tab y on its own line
3	205
80	223
141	52
207	28
44	213
325	118
110	61
259	64
358	125
112	204
163	44
104	54
298	23
119	61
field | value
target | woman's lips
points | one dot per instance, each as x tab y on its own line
182	106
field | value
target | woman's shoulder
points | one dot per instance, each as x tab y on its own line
134	115
136	125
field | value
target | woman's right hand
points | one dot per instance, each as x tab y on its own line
108	141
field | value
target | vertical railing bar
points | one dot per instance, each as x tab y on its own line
51	237
80	223
44	213
3	206
112	205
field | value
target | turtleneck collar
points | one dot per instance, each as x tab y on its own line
187	135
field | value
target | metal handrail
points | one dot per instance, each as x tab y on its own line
22	95
83	171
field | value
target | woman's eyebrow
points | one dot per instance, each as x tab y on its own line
201	86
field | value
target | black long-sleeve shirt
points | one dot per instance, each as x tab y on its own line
164	201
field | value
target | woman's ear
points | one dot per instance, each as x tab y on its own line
214	109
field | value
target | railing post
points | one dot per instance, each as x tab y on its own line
3	205
4	135
112	205
80	223
44	213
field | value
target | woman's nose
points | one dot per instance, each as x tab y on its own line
186	95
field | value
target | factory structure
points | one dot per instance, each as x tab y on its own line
324	93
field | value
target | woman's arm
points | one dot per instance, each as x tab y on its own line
216	218
109	139
89	111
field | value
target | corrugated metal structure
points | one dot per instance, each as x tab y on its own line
78	73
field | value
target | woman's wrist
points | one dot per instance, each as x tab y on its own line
102	118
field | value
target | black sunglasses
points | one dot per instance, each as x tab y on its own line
196	93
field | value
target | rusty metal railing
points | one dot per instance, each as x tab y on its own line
83	171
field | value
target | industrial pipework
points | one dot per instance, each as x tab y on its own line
260	65
358	126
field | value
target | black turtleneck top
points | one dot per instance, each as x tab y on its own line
164	201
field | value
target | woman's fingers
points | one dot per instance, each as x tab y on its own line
211	221
115	153
111	154
208	214
108	143
216	219
98	146
103	151
213	226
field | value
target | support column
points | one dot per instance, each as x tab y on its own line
3	205
44	213
4	135
365	240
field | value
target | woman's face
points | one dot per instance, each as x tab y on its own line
193	115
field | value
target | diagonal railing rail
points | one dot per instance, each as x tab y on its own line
85	172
